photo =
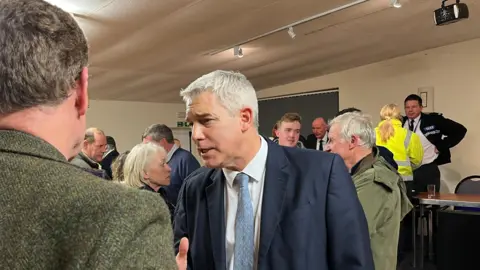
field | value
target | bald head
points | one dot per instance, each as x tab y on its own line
95	144
319	127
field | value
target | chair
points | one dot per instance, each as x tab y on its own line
469	185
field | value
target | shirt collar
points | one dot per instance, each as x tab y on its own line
324	139
171	152
255	169
416	119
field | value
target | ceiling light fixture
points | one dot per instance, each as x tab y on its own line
238	52
396	3
291	33
286	27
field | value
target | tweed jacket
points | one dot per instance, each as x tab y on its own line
54	215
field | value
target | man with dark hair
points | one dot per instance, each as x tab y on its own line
181	161
109	156
382	151
54	215
348	110
437	134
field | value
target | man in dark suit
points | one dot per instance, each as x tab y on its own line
54	215
258	205
109	156
437	134
318	139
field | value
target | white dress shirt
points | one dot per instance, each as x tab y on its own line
429	150
256	171
323	140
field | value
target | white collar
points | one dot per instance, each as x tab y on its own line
255	168
171	152
416	119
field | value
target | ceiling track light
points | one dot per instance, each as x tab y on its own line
286	27
396	3
291	33
238	52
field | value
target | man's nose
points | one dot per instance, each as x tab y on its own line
197	132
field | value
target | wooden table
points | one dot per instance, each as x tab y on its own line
440	199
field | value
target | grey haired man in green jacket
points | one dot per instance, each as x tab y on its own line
54	215
380	188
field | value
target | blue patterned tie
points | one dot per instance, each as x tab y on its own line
244	227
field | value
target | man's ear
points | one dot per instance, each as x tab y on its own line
246	118
81	103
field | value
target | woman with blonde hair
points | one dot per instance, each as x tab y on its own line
408	153
145	167
405	145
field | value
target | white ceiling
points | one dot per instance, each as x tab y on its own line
147	50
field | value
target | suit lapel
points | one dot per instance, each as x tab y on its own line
216	217
275	186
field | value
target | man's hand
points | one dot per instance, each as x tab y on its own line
182	254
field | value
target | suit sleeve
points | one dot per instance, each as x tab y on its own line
180	227
454	131
191	165
348	237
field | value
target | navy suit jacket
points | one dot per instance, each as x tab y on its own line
311	215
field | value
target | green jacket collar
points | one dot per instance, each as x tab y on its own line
23	143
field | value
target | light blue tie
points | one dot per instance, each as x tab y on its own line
244	227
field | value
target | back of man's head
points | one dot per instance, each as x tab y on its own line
43	75
158	132
355	124
43	53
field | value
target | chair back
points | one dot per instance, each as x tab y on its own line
469	185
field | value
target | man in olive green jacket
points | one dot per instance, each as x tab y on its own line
54	215
380	188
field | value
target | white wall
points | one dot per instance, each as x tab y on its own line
454	72
126	121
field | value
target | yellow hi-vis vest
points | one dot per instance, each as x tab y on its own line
406	147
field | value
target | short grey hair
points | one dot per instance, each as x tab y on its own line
159	132
136	162
356	123
43	54
233	90
90	134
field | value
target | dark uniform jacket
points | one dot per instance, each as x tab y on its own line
441	132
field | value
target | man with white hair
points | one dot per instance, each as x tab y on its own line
380	188
257	205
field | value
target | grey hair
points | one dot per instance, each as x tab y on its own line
159	132
43	54
136	162
90	134
233	90
356	123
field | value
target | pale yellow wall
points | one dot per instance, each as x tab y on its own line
126	121
454	72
